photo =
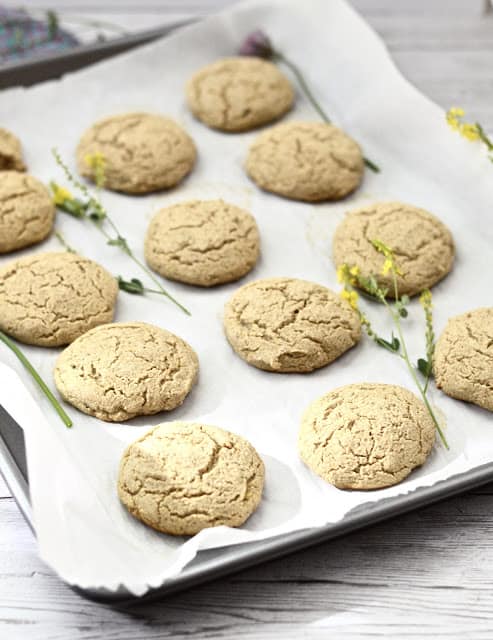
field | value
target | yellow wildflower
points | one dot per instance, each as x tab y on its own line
60	194
354	271
466	129
453	117
387	266
94	160
97	162
351	297
469	131
342	273
425	299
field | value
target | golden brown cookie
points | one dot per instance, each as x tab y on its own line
463	361
49	299
10	152
126	369
27	212
366	436
237	94
310	161
289	325
423	246
142	152
202	242
182	477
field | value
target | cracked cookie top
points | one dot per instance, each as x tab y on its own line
237	94
202	242
289	325
366	436
310	161
463	361
27	211
143	152
422	245
49	299
10	152
121	370
182	477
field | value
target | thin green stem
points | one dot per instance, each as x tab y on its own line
427	381
484	137
304	86
119	240
37	378
63	242
158	284
311	98
412	371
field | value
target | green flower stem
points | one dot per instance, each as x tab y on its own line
484	137
300	78
412	371
158	284
311	98
63	242
37	378
98	223
140	264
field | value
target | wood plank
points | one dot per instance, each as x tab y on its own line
433	566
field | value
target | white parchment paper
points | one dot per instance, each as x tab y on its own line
83	531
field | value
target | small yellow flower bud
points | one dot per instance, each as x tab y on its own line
469	131
342	273
60	194
387	266
351	297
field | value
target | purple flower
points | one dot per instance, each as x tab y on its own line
257	44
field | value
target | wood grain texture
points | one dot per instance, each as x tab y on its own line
428	574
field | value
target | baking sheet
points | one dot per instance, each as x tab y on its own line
83	532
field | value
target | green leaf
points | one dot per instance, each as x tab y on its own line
424	366
119	241
134	286
97	215
74	207
405	299
393	345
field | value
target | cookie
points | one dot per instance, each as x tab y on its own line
126	369
463	361
237	94
49	299
202	242
289	325
27	212
423	246
366	436
142	152
10	152
182	477
310	161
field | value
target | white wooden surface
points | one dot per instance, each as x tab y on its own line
428	574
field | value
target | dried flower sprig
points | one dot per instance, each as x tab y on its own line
351	277
133	286
67	421
471	130
91	209
425	365
259	44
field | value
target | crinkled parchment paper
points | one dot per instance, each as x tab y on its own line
83	531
